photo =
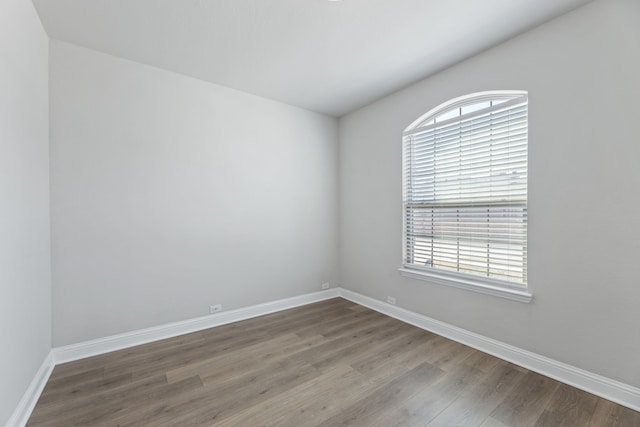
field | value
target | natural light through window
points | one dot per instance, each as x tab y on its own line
465	191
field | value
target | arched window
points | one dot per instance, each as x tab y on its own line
465	191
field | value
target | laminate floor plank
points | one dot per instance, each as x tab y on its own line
492	422
431	399
398	350
109	400
337	325
390	397
275	357
95	386
477	402
343	344
375	343
332	363
449	355
531	396
568	405
106	412
310	402
215	401
223	400
221	367
609	414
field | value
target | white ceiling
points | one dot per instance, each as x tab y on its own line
330	57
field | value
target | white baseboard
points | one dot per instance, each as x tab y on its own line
606	388
30	397
85	349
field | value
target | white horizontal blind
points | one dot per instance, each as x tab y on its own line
465	190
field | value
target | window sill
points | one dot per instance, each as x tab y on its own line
475	285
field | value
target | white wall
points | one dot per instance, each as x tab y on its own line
25	286
582	72
170	194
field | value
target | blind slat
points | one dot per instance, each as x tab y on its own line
465	192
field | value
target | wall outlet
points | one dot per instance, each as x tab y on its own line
391	300
215	308
325	285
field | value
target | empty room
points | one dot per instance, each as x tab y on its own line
319	213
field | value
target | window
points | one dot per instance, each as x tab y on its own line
465	194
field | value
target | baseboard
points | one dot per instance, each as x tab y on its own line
30	397
606	388
95	347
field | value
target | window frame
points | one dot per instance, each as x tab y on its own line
468	281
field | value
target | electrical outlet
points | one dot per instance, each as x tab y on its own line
391	300
325	285
215	308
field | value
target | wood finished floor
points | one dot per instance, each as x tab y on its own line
332	363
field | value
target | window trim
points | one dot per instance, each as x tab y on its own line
478	284
462	100
484	285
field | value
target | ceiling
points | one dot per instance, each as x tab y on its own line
329	57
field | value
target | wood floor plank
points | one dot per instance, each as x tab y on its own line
609	414
448	354
61	383
220	364
344	344
109	400
311	402
275	356
332	326
367	410
492	422
568	406
475	404
430	400
401	351
98	412
225	399
330	363
487	363
375	343
530	397
94	386
210	403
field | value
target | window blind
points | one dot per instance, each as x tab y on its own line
465	190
